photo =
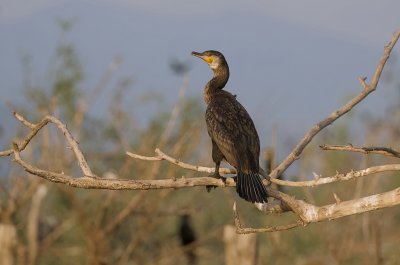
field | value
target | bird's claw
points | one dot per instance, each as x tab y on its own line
217	176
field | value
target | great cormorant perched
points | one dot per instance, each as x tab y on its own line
233	135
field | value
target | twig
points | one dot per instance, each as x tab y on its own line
141	157
365	150
24	121
242	230
162	156
338	177
35	129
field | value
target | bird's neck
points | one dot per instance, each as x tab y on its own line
218	82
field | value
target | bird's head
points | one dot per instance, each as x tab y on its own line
214	59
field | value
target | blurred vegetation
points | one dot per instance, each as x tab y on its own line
142	227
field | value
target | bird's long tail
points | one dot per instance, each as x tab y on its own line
251	188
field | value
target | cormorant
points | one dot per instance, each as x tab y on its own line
233	135
188	236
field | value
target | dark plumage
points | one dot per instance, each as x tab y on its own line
188	237
233	135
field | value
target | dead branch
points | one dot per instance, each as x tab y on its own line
35	128
350	207
162	156
318	180
309	213
241	230
365	150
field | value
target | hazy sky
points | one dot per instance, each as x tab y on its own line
292	62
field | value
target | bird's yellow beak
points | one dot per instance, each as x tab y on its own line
208	59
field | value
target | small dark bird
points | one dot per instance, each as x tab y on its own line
233	135
179	67
187	236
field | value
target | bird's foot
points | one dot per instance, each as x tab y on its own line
217	176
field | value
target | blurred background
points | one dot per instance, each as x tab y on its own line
120	75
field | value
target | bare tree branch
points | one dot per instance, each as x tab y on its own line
162	156
35	128
350	207
241	230
365	150
309	213
318	180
